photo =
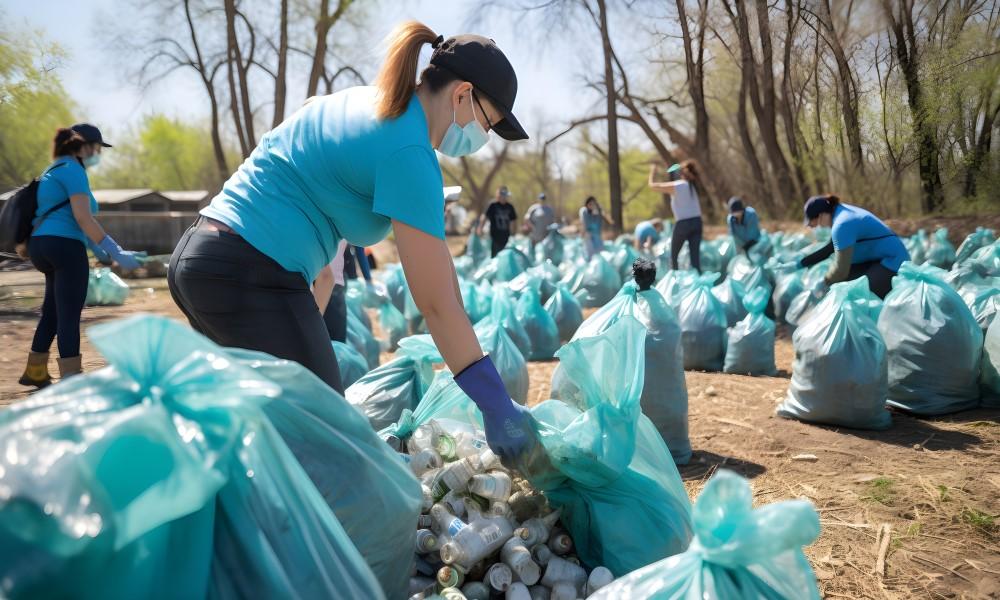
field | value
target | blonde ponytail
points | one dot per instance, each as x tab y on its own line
397	79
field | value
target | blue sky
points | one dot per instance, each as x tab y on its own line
549	77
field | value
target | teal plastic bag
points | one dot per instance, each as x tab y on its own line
352	365
477	248
464	266
539	325
393	324
484	299
168	462
972	242
674	285
507	358
551	248
664	391
503	312
385	392
470	298
990	375
505	266
917	245
622	258
395	285
730	294
840	373
602	462
750	346
934	344
787	286
104	288
941	253
703	326
986	260
362	340
595	283
565	310
738	551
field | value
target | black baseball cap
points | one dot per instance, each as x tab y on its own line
735	204
90	134
479	61
815	206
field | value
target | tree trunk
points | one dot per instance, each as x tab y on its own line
849	93
208	80
614	168
324	22
233	55
281	75
761	189
787	101
983	144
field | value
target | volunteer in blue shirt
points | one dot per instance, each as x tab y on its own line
744	225
592	219
356	165
860	243
64	228
647	233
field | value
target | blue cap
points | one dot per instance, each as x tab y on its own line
90	134
815	206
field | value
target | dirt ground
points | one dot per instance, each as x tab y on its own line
928	487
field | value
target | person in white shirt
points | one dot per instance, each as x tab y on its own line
684	188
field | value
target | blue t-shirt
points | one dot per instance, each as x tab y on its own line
645	231
333	171
748	230
871	238
56	185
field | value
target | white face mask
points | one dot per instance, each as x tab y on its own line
462	141
92	160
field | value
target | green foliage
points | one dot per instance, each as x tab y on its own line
33	104
979	520
881	490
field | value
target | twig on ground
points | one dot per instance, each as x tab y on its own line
882	543
940	566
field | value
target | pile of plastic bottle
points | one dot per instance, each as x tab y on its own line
483	531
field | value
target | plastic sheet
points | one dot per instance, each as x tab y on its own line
934	344
384	393
840	373
664	392
565	310
352	365
750	349
539	325
104	288
703	326
738	551
730	294
594	283
505	266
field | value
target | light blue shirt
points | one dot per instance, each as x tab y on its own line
57	185
748	230
646	231
871	238
333	171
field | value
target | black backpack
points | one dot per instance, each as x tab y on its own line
19	211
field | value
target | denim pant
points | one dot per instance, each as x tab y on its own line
64	263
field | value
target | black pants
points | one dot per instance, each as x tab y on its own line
499	241
335	316
879	277
66	268
687	230
238	297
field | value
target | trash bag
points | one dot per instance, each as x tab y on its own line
352	365
565	310
730	294
917	246
362	340
595	283
504	312
990	376
664	391
840	373
393	324
539	325
674	285
551	248
464	266
983	301
484	300
186	458
941	253
738	551
444	401
470	298
395	284
104	288
934	344
507	358
505	266
477	248
622	258
602	462
986	260
383	393
415	323
787	287
972	242
703	326
750	346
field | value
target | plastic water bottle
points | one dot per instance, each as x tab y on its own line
539	592
562	571
599	577
424	437
476	541
428	497
492	486
449	577
541	554
560	543
515	555
499	577
535	531
452	594
563	591
426	541
448	524
454	477
517	591
476	590
425	522
424	461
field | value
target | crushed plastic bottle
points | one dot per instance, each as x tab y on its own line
516	555
476	590
499	577
449	577
426	541
517	591
560	570
599	577
476	541
492	486
537	530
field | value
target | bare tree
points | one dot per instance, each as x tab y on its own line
325	20
472	176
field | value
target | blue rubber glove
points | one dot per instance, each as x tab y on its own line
102	257
125	260
509	432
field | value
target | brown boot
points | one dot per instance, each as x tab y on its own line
36	373
70	366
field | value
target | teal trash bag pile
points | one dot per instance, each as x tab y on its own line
393	325
840	375
505	266
703	326
730	294
622	257
989	377
933	342
593	283
538	324
750	346
738	551
352	365
503	312
395	285
104	288
941	252
674	284
565	310
788	285
972	242
184	470
477	248
506	356
464	266
602	462
986	260
803	304
551	248
362	340
383	393
664	391
917	245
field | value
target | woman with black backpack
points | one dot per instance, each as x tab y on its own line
63	224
